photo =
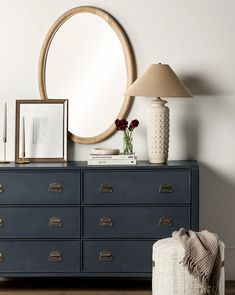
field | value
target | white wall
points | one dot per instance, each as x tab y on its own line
197	39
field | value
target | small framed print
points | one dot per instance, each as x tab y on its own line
41	130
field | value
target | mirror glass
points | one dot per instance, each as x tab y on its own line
86	64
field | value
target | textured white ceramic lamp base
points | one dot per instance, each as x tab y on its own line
158	131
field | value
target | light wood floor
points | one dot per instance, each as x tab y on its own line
74	287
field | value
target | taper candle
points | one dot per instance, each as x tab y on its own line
23	137
5	124
22	143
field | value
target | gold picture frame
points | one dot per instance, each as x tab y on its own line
41	130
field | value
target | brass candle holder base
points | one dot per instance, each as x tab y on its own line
23	161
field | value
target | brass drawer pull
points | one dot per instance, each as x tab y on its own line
55	188
1	257
106	188
55	256
106	221
1	223
105	256
165	221
165	188
55	222
1	188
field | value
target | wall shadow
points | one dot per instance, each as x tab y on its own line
206	95
217	203
71	150
200	85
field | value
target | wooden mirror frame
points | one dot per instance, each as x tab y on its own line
129	59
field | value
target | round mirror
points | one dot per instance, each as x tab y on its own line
86	57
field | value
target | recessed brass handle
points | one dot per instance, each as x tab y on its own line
55	188
55	222
1	188
1	257
165	188
165	221
105	256
106	221
55	256
1	223
106	188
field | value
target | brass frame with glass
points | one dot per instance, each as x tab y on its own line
41	131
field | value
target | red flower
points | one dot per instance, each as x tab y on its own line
121	124
134	124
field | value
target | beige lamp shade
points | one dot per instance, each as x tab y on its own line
159	80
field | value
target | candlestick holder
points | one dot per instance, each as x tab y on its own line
23	160
4	161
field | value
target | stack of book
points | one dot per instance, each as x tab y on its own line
121	159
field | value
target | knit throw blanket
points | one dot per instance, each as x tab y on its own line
202	258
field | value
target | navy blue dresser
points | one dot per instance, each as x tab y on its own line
74	220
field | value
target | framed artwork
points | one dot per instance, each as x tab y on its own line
41	130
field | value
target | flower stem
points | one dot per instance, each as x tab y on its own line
128	142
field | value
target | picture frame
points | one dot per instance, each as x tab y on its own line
41	130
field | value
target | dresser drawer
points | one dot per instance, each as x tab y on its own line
40	188
33	256
133	222
41	222
116	187
117	256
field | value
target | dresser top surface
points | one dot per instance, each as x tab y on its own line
83	165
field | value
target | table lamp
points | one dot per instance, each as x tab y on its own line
159	80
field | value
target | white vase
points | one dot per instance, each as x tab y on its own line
158	131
